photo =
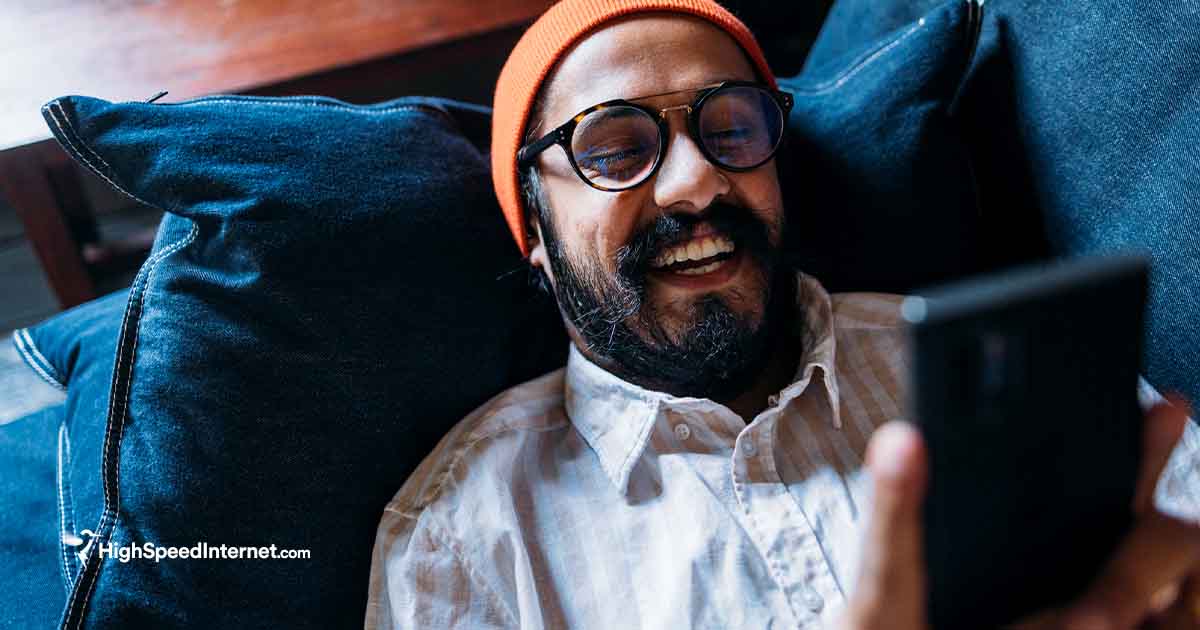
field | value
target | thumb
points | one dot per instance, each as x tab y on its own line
891	590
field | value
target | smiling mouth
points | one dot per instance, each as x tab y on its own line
695	256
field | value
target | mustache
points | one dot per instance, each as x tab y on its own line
739	224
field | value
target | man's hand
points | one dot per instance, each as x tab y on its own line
890	592
1151	581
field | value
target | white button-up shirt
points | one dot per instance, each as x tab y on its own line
580	500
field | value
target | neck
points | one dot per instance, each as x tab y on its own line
784	353
777	374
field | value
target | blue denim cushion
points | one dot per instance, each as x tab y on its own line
328	293
1076	145
852	24
1082	118
59	447
75	351
35	587
882	195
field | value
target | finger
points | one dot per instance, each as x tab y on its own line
1164	598
1159	551
1161	432
890	592
1184	612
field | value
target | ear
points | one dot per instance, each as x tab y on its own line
537	248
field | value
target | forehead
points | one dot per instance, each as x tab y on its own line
652	53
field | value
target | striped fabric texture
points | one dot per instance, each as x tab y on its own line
579	500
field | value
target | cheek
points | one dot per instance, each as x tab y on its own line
618	220
594	223
759	190
575	213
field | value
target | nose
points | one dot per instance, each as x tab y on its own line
686	180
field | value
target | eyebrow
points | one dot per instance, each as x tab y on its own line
621	111
705	86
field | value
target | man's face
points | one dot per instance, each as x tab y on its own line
690	328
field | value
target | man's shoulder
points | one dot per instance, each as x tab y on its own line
872	355
483	447
461	503
867	312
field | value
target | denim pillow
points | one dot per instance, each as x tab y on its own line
1076	146
329	291
882	197
74	351
34	568
1082	120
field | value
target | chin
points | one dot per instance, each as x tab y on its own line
678	316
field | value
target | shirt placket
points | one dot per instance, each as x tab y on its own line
782	532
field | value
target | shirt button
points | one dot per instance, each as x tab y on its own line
683	431
813	600
749	448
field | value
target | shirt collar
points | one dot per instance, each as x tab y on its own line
615	417
820	346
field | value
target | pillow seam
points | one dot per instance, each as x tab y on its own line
69	135
66	508
109	518
863	61
33	357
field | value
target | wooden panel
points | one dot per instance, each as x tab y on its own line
131	49
465	70
24	180
25	296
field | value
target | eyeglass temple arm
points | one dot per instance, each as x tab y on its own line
533	149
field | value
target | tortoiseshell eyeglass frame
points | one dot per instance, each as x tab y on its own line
562	135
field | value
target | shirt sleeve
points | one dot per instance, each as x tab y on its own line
421	579
1178	489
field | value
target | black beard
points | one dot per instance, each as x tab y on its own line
718	354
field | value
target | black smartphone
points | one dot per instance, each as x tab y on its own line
1024	386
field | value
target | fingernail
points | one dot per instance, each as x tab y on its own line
890	452
1164	597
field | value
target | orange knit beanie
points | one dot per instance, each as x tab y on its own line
543	45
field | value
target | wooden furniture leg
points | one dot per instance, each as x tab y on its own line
26	182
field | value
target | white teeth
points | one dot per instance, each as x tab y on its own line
697	249
695	271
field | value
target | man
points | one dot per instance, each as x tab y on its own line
699	461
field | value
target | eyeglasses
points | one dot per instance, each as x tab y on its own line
619	144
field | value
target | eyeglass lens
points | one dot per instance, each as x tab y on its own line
617	147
